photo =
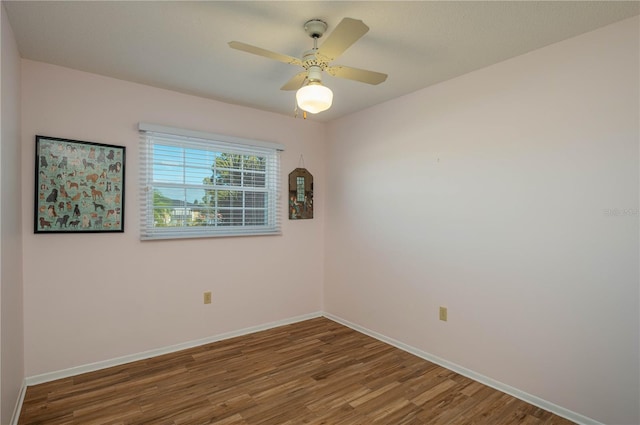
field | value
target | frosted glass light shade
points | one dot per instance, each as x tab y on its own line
314	98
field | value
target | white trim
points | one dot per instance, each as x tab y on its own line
529	398
18	408
52	376
156	128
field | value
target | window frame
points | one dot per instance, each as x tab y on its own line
153	135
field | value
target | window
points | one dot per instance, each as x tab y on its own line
300	188
197	184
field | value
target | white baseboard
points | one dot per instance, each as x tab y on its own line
529	398
52	376
18	407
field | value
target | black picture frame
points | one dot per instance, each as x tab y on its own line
79	186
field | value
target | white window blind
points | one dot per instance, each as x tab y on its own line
202	185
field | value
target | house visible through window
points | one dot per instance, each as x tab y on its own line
198	184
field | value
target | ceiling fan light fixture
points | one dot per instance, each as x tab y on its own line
314	97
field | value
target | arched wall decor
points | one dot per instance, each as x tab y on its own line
300	194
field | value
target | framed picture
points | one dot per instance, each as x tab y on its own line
79	186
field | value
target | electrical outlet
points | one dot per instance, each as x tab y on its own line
443	314
207	297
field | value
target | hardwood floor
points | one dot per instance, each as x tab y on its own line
312	372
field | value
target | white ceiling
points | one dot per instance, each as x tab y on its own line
182	45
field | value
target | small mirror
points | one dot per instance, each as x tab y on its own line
300	194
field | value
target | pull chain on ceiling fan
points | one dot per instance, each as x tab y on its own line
312	96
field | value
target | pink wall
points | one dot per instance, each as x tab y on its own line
11	317
93	297
488	194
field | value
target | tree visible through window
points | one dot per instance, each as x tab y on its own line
227	205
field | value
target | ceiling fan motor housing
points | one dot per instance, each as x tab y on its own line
310	59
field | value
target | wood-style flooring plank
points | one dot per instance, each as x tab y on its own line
315	372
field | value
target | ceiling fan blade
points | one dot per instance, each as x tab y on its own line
347	32
295	82
263	52
362	75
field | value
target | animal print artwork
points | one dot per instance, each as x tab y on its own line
79	186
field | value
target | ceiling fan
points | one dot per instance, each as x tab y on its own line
312	96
